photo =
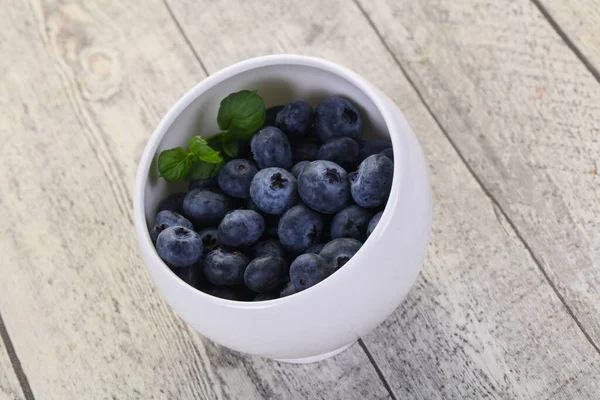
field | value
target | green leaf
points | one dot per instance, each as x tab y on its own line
203	170
200	148
215	141
229	145
174	164
241	114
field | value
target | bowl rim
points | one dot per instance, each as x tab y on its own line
144	165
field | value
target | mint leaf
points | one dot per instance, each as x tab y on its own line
231	148
174	164
203	170
201	150
241	114
215	141
229	145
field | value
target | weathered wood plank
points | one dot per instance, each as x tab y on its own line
9	384
83	85
522	110
579	21
482	320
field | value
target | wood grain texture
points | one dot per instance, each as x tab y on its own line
482	321
579	21
9	384
523	111
83	85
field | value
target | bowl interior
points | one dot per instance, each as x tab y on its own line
276	84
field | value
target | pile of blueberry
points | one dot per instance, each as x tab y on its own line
291	211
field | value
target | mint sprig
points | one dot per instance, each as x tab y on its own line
174	164
203	170
229	145
203	152
240	116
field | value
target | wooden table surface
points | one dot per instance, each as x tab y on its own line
504	97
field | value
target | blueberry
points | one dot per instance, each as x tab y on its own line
210	239
271	148
235	178
315	248
288	290
210	183
370	147
339	251
191	275
342	151
323	186
206	207
241	228
295	119
274	190
269	247
171	218
306	148
173	203
179	247
224	268
165	219
389	153
373	223
296	169
351	222
266	296
299	228
337	117
352	177
271	115
271	220
307	270
265	274
373	182
228	293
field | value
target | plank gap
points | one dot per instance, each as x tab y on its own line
384	381
187	40
570	44
15	362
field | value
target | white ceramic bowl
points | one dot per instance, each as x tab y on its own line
327	318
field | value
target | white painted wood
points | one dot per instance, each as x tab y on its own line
579	20
83	85
483	322
9	384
